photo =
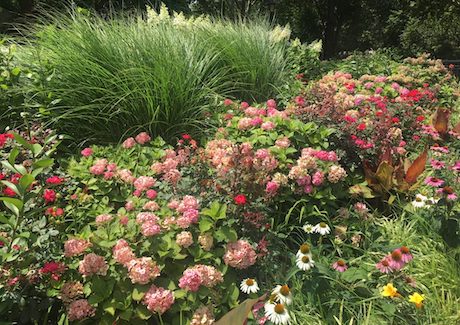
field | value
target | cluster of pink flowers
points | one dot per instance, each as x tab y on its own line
149	223
171	162
80	309
102	167
70	291
184	239
158	300
122	253
188	208
144	183
93	264
126	176
143	270
311	169
73	247
202	316
198	275
395	261
103	218
240	254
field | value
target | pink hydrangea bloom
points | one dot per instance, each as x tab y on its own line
129	143
144	183
336	174
146	217
129	206
87	152
93	264
79	310
143	138
74	247
103	218
190	280
151	194
272	187
203	316
151	206
108	175
240	254
143	270
271	103
188	202
198	275
126	176
283	142
97	169
150	228
318	178
122	253
158	300
268	126
184	239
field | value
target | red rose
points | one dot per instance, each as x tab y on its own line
186	136
361	127
49	196
240	199
420	118
55	180
395	120
8	192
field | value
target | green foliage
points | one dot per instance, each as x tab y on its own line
28	238
120	75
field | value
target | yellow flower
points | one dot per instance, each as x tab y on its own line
417	299
389	291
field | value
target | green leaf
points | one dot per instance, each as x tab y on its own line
139	292
43	163
216	211
16	202
110	307
354	274
22	141
36	149
25	181
9	166
205	224
143	313
21	169
13	154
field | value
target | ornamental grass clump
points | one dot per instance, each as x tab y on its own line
120	75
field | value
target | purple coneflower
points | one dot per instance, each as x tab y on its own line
406	255
433	181
437	164
396	260
384	265
340	266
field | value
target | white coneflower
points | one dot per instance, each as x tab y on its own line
419	201
308	228
277	313
249	286
432	200
305	262
322	228
283	294
304	249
